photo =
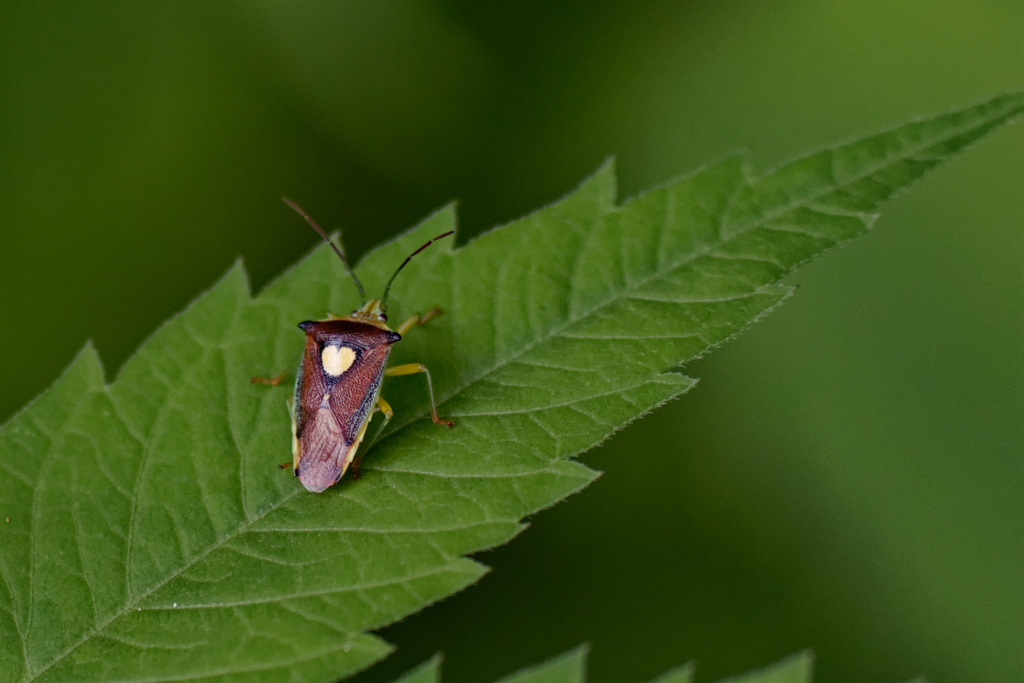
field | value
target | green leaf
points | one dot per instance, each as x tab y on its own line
570	667
427	672
795	669
681	674
151	536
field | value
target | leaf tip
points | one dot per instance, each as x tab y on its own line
238	273
680	674
797	668
448	214
92	364
426	672
604	180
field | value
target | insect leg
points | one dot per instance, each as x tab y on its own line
296	448
417	320
385	408
272	381
412	369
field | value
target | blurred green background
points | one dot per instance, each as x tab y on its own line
847	476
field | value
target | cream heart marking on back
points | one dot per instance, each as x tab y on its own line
337	359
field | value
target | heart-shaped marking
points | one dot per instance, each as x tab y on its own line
337	359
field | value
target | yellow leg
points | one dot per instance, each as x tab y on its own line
294	464
412	369
385	408
417	320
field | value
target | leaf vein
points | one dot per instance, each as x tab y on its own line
308	594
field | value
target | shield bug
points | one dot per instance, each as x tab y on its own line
337	388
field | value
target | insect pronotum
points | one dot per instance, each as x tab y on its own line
337	388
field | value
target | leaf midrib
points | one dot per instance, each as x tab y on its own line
571	320
705	250
185	567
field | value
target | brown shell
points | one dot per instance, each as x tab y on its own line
331	412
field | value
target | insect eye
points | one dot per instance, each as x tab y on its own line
384	317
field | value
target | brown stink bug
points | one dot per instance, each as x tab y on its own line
337	388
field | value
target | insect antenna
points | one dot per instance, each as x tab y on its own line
384	299
359	285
